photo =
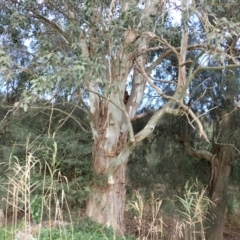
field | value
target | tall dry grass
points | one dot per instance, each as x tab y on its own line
31	204
148	218
194	205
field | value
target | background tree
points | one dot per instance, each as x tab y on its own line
220	103
220	99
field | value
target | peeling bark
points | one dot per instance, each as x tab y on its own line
106	204
139	82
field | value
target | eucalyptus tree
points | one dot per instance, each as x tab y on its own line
89	50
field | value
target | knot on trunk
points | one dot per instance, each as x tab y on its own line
110	180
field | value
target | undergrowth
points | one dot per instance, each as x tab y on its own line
83	230
36	206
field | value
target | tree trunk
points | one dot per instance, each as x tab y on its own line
106	203
221	172
107	197
111	126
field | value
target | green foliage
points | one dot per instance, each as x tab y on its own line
36	209
6	233
232	200
87	228
140	174
193	202
161	164
65	151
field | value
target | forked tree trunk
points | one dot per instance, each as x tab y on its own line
218	191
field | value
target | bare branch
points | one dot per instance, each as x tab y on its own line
181	104
216	68
200	154
196	119
169	52
153	49
69	115
112	5
162	81
173	49
142	115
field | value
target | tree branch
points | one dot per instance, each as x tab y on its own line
69	115
180	103
169	52
200	154
215	68
55	26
